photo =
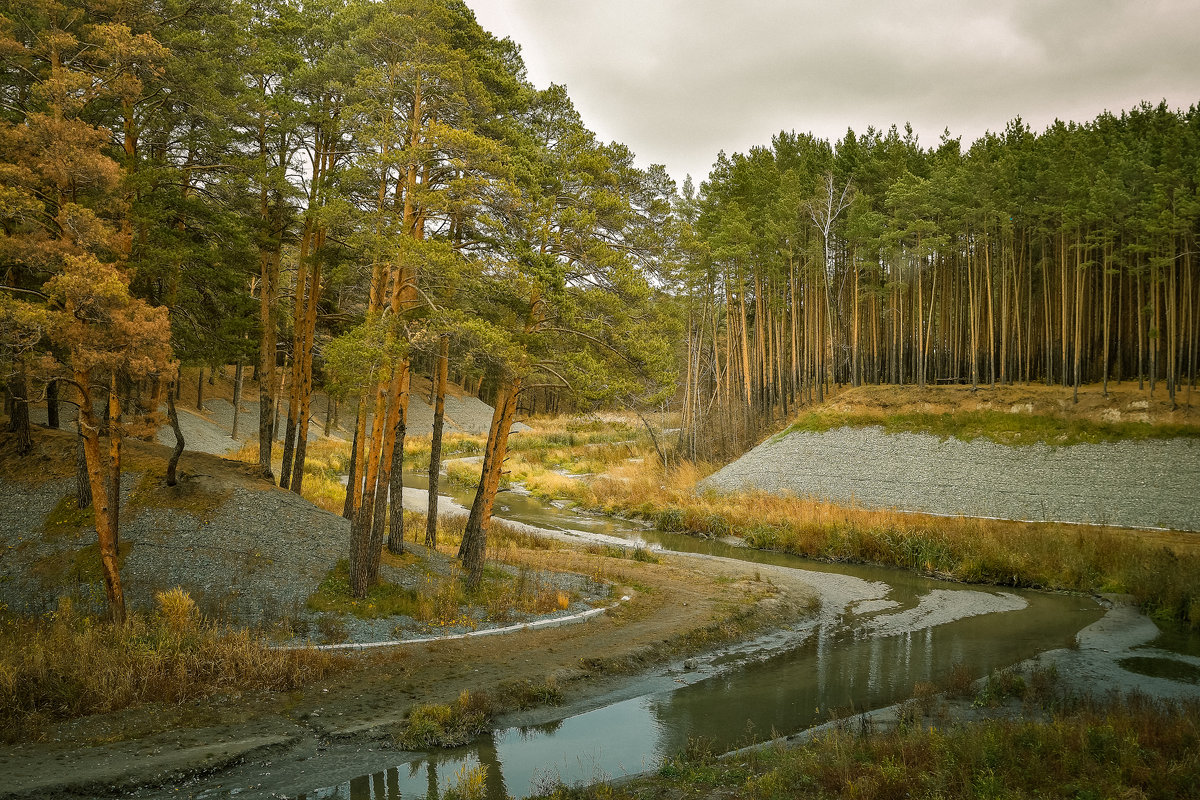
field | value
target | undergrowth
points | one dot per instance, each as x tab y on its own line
442	600
67	664
67	519
1066	747
455	724
446	724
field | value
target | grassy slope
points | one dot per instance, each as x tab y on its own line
1007	415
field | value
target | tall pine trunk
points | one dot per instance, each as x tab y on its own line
435	447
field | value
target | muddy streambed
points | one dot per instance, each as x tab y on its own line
878	633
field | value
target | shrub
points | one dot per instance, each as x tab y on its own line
446	725
69	665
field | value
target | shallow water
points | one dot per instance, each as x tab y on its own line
916	632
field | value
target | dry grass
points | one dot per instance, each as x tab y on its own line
457	723
447	725
68	665
1129	747
1163	573
551	485
325	461
439	597
454	445
997	426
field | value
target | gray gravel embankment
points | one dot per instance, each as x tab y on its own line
254	560
1154	483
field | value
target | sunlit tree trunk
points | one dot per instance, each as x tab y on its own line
474	542
100	481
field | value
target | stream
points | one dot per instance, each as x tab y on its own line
898	630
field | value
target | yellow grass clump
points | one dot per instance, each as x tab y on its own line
68	665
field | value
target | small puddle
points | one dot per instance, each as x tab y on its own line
1162	667
1176	637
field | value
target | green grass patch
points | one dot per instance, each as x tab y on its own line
188	496
67	569
66	519
382	600
996	426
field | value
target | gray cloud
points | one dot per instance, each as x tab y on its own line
678	80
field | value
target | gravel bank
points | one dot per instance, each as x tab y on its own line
1135	484
253	557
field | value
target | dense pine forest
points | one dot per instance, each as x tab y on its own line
325	191
1066	257
334	194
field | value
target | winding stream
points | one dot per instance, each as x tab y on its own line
892	630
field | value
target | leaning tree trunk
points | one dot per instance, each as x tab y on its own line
173	417
474	542
435	446
99	483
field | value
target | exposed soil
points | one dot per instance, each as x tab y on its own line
224	534
275	742
674	607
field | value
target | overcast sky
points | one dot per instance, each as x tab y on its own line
678	80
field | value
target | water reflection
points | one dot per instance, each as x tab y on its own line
609	742
840	666
838	669
425	778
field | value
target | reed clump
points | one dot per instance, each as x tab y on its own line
446	724
68	664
